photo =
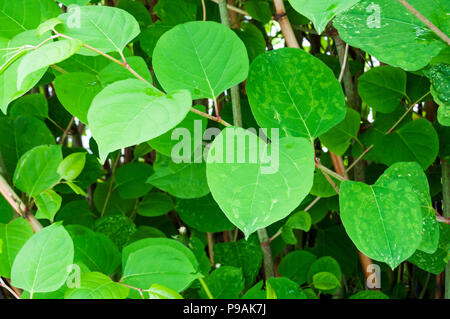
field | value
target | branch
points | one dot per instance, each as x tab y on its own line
233	8
17	204
427	22
285	25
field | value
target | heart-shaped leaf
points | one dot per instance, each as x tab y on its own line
253	189
296	92
204	57
130	112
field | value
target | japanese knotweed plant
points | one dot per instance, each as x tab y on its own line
190	149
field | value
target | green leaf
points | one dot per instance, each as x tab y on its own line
278	101
158	260
414	174
31	104
45	56
266	194
243	254
183	59
322	187
41	264
284	288
131	180
320	12
369	294
258	10
9	91
386	30
382	88
439	75
15	17
19	136
76	212
115	123
77	2
48	204
138	10
252	38
338	138
155	204
72	166
415	141
299	220
325	281
225	282
378	218
183	180
160	292
115	203
95	250
12	237
117	227
105	28
37	169
203	214
95	285
295	265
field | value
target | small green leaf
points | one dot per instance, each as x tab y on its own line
72	165
325	281
295	265
131	180
160	292
155	204
41	264
225	282
369	294
283	288
48	204
48	25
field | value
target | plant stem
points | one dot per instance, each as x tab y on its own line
233	8
267	253
205	287
446	200
427	22
108	195
285	25
210	239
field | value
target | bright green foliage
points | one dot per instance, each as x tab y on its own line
383	88
95	285
115	123
155	204
389	32
105	28
72	166
283	288
377	218
41	264
369	294
183	59
176	267
37	169
12	237
325	281
160	292
320	12
264	198
308	110
225	282
48	204
299	220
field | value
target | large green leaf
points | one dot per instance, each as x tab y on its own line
30	104
130	112
22	15
12	237
95	285
382	88
378	218
9	90
105	28
415	141
95	250
204	57
414	174
389	32
296	92
320	12
37	169
45	56
251	194
158	260
41	264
